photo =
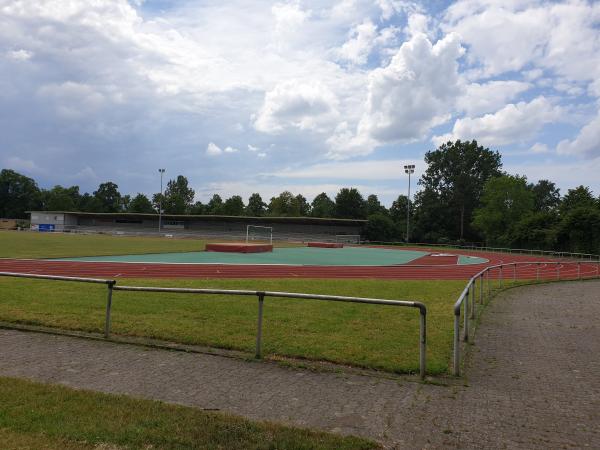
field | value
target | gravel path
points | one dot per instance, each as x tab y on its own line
533	380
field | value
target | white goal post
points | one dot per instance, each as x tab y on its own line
347	238
259	233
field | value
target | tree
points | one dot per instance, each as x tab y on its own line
140	204
301	205
198	208
234	206
256	207
283	205
350	204
580	230
18	194
178	196
546	196
322	206
215	205
505	201
580	197
108	197
380	228
89	203
536	230
61	199
455	177
374	206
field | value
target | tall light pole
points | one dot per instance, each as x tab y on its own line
409	169
161	171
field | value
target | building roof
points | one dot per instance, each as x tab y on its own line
271	219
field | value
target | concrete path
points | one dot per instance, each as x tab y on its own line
533	380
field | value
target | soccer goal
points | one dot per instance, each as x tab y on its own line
258	233
347	238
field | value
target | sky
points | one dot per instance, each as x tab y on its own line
246	96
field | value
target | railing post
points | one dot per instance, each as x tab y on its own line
456	363
537	272
110	285
481	288
423	343
473	298
261	298
489	280
514	272
466	318
501	278
558	270
579	270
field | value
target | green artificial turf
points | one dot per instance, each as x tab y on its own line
36	416
347	256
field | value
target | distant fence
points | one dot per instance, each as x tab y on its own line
261	295
519	251
482	282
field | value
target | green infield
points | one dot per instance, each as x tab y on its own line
347	256
38	416
380	337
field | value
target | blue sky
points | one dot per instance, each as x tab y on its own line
308	96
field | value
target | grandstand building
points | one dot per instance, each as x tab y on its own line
234	227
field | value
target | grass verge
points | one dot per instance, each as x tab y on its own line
374	336
39	416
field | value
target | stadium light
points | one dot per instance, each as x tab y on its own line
409	169
160	199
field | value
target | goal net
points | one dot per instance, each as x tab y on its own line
347	238
258	233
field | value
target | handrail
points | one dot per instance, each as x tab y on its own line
469	304
337	298
111	285
558	254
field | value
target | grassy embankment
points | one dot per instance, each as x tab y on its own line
38	416
379	337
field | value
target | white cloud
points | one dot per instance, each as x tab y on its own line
587	142
296	104
406	98
539	148
213	149
19	55
359	46
252	148
513	123
354	170
484	98
21	164
507	36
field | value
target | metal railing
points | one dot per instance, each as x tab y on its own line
261	295
532	272
521	251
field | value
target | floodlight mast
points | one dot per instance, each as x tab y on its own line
409	169
161	171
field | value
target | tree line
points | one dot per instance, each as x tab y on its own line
464	197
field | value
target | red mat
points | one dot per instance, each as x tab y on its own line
325	244
239	248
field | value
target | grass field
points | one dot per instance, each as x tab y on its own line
37	416
371	336
15	244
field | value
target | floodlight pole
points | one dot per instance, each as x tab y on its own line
409	169
161	171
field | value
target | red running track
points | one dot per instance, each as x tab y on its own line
412	271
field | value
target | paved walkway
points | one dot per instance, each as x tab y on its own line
533	380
